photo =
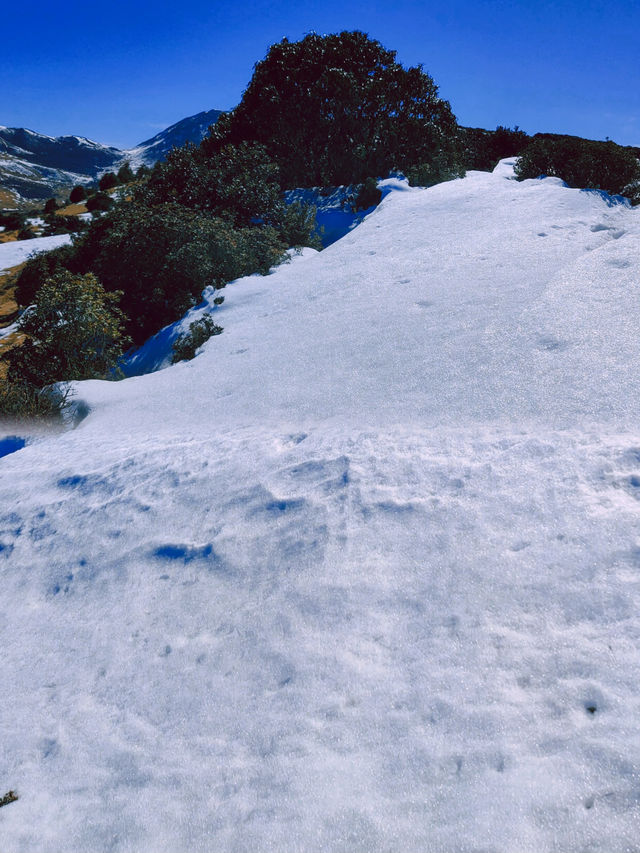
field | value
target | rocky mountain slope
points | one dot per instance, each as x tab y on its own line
34	166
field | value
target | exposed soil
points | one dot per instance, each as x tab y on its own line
8	313
72	210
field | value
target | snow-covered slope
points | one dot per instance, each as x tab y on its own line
191	129
35	166
364	575
69	153
18	251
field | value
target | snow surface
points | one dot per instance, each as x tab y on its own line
17	251
362	576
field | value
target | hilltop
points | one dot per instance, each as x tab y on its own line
363	575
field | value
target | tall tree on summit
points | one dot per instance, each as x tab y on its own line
337	109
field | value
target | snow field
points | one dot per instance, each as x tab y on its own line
364	575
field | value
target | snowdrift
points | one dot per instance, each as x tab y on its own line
364	575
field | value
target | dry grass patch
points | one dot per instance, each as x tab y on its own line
8	304
8	314
7	198
71	210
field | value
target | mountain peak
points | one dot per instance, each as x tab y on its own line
27	157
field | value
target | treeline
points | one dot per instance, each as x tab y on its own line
583	164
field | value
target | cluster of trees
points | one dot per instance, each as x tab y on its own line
338	109
583	163
483	149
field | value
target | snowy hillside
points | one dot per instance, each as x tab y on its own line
191	129
365	574
35	166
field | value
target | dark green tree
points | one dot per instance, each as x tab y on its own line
108	181
100	202
238	183
12	220
51	206
38	269
186	346
125	173
338	109
581	163
162	258
77	194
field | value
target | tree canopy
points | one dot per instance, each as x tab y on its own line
338	109
582	163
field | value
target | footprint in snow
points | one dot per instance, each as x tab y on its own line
548	343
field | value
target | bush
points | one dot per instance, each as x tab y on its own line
483	149
163	257
99	202
77	194
125	174
440	168
297	226
25	233
63	225
108	181
51	206
23	401
185	348
238	183
74	331
38	269
12	220
581	163
337	109
367	195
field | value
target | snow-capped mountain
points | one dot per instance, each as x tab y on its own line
191	129
69	153
362	576
36	166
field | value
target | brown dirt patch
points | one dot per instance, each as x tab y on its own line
8	304
71	210
8	236
8	313
7	199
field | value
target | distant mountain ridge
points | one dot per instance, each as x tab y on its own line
191	129
34	166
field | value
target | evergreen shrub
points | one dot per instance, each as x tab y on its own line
581	163
73	331
125	174
163	257
108	181
367	195
336	109
185	348
77	194
38	269
99	202
22	401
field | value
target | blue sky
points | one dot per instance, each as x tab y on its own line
119	72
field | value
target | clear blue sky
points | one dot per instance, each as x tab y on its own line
118	72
